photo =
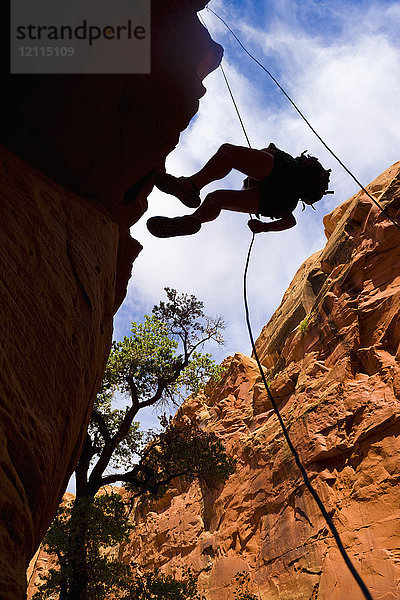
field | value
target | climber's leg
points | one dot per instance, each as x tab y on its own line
246	201
254	163
180	187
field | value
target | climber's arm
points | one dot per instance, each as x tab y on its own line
287	222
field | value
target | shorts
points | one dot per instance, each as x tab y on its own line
279	192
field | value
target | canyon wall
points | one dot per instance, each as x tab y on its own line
76	168
331	354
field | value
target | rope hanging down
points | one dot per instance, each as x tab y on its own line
306	121
293	450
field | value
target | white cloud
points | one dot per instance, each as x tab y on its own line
349	87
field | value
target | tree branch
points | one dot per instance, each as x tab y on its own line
95	477
82	468
163	384
158	484
101	424
133	391
142	485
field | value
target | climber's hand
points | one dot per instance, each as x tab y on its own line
257	226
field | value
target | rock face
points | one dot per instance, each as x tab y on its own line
58	255
331	353
77	164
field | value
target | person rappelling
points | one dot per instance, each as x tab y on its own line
274	185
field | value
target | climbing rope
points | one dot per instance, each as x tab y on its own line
235	105
233	102
293	450
306	120
231	93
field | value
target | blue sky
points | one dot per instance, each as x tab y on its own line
340	62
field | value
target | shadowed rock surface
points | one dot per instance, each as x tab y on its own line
331	353
76	168
104	136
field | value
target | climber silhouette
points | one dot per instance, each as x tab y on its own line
274	185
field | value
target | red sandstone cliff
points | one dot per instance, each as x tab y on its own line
76	169
331	351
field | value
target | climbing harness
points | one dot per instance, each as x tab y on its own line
293	450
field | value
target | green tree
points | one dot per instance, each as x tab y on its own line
107	525
160	363
242	591
181	450
157	586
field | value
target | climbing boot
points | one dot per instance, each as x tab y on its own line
180	187
164	227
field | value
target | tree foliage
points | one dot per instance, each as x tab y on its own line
242	591
160	363
105	522
158	586
181	450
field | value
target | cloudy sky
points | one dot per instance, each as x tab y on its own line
340	62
